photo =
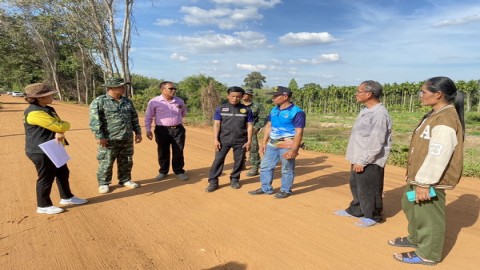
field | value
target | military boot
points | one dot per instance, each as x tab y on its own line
253	171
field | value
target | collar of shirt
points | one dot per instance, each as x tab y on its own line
287	108
122	98
161	98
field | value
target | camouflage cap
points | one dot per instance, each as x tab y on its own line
249	92
37	90
114	82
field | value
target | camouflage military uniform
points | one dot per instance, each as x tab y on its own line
115	121
258	123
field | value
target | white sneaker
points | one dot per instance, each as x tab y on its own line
130	184
73	200
49	210
103	189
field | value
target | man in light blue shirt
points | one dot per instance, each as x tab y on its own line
281	141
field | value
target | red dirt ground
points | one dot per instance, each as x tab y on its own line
176	225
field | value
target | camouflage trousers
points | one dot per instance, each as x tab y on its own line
254	155
120	150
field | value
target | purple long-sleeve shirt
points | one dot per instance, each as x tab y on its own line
164	112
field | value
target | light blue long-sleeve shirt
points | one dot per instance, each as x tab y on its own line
371	138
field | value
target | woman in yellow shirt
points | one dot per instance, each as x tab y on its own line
42	124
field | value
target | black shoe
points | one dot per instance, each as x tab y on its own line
282	195
211	187
256	192
235	185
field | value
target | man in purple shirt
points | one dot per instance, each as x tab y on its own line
167	111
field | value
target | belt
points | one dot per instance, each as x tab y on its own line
171	127
274	141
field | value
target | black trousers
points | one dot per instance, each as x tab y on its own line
167	137
219	162
47	172
367	191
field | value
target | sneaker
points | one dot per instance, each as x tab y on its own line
49	210
258	192
182	177
73	200
235	185
103	189
130	184
282	195
161	176
211	187
252	172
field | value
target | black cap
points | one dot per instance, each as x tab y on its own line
281	90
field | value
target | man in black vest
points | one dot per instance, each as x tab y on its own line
232	128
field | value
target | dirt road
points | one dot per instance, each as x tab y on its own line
177	225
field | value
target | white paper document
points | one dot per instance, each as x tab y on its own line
56	152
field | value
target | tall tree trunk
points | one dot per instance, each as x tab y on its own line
469	101
50	59
84	73
77	82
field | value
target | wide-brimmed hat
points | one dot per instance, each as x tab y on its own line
114	82
280	91
37	90
249	92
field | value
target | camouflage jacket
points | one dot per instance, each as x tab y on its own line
259	115
113	120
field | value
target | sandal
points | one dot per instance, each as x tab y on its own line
401	242
342	213
365	222
412	258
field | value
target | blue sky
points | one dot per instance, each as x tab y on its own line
339	42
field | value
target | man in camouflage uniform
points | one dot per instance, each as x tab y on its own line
113	119
258	122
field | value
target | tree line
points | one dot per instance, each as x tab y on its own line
75	44
397	97
72	44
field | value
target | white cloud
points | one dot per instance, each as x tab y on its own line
464	20
259	67
256	3
323	58
306	38
178	57
164	22
277	61
224	18
217	43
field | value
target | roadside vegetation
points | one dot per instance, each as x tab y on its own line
75	45
329	133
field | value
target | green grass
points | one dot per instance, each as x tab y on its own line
330	133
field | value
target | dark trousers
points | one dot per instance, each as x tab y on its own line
219	161
367	190
167	137
47	172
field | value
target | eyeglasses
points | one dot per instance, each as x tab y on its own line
171	88
361	92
